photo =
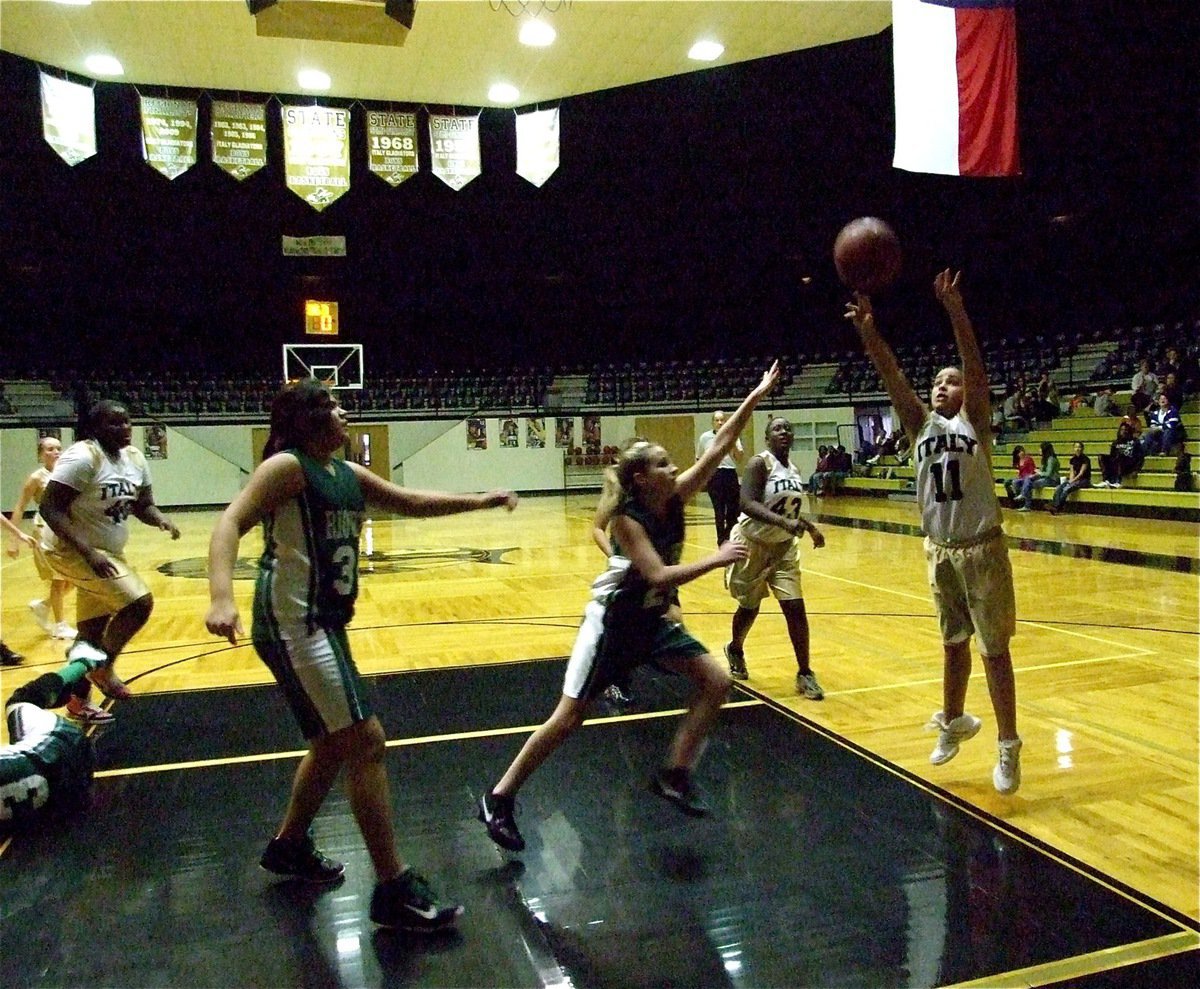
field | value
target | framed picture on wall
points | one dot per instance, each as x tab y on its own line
564	433
508	432
535	433
476	434
591	435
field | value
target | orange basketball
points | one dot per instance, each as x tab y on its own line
867	255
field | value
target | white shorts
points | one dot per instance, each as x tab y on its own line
769	567
973	592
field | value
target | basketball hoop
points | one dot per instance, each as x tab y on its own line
530	7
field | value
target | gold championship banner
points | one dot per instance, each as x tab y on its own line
316	153
392	145
454	148
239	137
169	135
69	118
537	145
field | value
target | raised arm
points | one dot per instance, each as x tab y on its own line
977	401
604	512
697	476
908	406
426	504
277	479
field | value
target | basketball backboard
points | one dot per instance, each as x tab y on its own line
340	365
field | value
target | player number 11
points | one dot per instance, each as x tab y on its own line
942	472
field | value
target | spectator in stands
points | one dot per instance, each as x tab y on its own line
1017	411
1046	399
1144	385
1184	481
1125	456
1171	364
1045	475
903	447
1172	389
842	466
1105	404
1134	421
1025	467
1079	476
817	480
1165	429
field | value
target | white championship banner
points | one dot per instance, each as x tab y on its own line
392	145
69	118
239	137
316	153
169	135
537	145
454	149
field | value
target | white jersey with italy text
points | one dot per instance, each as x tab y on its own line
955	488
107	486
783	494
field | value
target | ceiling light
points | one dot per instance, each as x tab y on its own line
503	92
104	65
706	51
313	79
74	3
537	34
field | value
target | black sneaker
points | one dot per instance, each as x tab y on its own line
300	860
407	903
677	786
737	662
10	658
496	812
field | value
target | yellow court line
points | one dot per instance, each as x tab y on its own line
1089	964
167	767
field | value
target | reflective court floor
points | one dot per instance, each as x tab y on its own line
821	865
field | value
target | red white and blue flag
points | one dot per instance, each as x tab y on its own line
956	86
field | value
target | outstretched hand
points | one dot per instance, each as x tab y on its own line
769	378
945	287
504	499
860	313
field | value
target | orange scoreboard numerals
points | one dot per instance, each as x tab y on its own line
320	318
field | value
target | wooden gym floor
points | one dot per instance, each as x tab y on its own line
837	855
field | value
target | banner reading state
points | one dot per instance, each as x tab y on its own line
69	118
316	153
169	135
454	149
239	137
392	145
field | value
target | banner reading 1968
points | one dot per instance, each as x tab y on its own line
392	145
316	153
239	137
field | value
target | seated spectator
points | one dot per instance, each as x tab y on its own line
1025	467
1170	364
841	466
1017	411
1046	399
816	481
1172	389
1165	429
1079	476
1125	456
1133	420
1144	385
1105	404
1045	475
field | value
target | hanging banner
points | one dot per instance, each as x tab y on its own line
322	246
169	135
454	149
316	153
69	118
239	137
392	145
537	145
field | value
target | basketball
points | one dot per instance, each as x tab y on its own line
867	255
